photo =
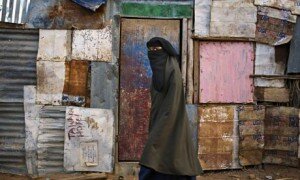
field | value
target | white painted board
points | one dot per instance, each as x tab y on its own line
54	45
88	139
93	45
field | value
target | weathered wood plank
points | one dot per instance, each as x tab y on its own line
184	52
196	77
190	65
89	139
271	94
165	10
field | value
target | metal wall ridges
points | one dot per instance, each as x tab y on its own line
14	11
12	138
18	53
50	145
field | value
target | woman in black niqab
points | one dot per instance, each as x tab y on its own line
169	152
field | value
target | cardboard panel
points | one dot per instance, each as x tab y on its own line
281	135
225	68
50	82
93	45
292	5
77	84
233	19
265	64
89	139
54	45
251	134
273	31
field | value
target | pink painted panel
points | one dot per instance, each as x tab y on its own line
224	72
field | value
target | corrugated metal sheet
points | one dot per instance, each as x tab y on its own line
251	134
18	54
12	138
51	139
273	28
135	78
65	14
91	4
265	64
293	5
89	139
218	137
202	17
225	68
233	19
14	11
281	136
93	45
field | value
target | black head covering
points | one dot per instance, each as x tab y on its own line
158	60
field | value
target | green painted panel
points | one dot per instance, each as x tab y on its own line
157	10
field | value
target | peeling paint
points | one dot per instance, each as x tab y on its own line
293	5
93	45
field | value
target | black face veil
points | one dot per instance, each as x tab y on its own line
158	60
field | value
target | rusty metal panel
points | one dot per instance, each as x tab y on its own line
265	64
225	68
54	45
89	139
202	17
18	53
251	134
14	11
31	128
65	14
274	28
293	5
51	139
135	78
93	45
76	90
281	135
12	138
233	19
50	82
218	137
271	94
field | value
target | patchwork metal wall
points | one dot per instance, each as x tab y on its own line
18	53
135	76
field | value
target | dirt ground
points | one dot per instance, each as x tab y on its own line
273	172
